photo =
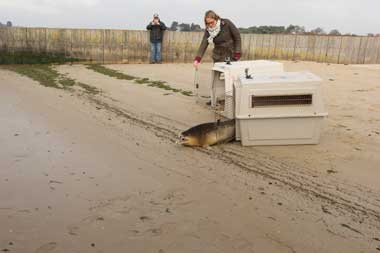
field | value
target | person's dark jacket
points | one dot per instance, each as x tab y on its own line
156	32
226	44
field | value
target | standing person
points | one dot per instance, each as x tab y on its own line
157	28
225	37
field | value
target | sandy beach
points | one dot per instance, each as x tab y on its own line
103	173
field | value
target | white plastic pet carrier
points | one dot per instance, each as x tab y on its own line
224	75
279	109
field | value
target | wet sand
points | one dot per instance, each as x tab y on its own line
103	173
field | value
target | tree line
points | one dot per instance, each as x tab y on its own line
295	29
7	24
291	29
184	27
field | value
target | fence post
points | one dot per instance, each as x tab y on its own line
294	49
249	47
46	41
360	47
327	47
26	39
365	51
340	48
378	51
104	41
275	46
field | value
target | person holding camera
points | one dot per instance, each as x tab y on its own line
156	28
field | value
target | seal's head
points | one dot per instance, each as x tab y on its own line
188	140
199	136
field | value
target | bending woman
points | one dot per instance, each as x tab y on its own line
225	37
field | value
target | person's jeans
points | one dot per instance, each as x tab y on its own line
155	51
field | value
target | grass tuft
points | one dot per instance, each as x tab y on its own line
29	57
109	72
47	76
151	83
88	88
43	74
66	82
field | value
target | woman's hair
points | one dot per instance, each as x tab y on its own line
211	14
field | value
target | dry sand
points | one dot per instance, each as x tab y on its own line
103	173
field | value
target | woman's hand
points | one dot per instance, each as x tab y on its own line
197	61
237	56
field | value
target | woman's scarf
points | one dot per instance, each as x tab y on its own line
213	32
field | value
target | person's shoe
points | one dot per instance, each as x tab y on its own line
152	62
159	62
208	103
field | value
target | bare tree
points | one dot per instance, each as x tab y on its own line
183	27
195	28
334	32
174	26
295	29
318	31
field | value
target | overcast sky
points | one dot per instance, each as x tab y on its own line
348	16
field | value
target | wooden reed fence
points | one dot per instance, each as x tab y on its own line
129	46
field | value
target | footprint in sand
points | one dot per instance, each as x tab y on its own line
48	247
73	230
242	245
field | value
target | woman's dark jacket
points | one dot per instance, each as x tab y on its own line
226	43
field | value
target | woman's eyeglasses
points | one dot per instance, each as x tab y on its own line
210	23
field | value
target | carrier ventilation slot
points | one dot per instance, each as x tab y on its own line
282	100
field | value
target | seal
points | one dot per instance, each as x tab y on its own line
209	134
